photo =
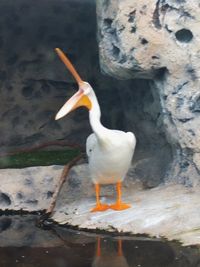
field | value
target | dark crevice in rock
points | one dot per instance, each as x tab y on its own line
167	28
166	7
163	9
121	29
195	103
113	32
133	29
156	16
191	71
184	120
160	73
196	168
179	102
179	87
185	161
49	194
123	59
184	35
107	23
184	165
191	132
5	199
180	1
155	57
20	195
186	14
144	41
115	52
132	16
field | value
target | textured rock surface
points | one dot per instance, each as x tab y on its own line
169	211
28	189
34	83
159	40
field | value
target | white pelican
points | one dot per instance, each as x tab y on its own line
109	151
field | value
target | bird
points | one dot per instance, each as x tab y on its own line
109	151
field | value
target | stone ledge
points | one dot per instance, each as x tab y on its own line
169	211
28	189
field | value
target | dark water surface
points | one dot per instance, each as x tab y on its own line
24	244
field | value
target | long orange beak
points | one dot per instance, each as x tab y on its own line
78	99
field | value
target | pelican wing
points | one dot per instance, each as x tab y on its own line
131	139
90	144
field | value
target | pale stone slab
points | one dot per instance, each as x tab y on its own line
28	189
170	211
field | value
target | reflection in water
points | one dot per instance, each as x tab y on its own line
23	244
107	255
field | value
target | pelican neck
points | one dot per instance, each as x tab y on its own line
95	118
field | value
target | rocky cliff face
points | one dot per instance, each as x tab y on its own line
160	41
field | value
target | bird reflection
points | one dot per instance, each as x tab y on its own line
107	255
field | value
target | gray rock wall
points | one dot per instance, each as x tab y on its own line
159	40
33	81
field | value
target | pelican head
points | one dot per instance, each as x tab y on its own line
82	97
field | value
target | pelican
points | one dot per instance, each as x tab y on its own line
109	151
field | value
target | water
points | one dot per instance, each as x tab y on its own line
24	244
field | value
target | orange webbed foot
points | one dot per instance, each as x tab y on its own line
100	207
120	206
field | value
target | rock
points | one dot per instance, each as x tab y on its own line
160	41
28	189
34	82
168	211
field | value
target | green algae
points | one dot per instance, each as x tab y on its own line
38	158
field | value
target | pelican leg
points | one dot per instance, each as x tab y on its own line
99	206
119	205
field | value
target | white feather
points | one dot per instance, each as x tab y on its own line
110	158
